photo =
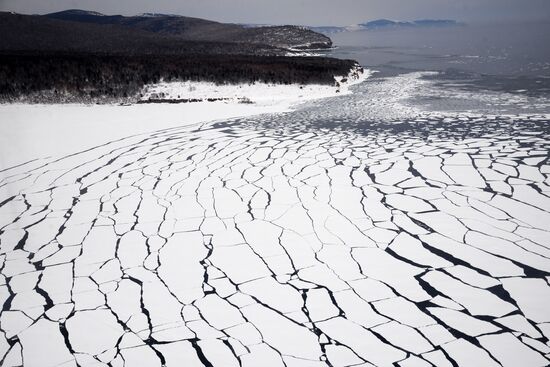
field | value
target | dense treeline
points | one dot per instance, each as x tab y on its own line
92	77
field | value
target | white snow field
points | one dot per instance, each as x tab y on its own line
29	132
358	230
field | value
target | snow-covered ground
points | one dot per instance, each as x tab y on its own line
36	131
261	94
358	230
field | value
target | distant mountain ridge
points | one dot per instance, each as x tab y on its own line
196	29
386	24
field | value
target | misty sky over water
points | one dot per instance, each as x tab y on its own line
310	12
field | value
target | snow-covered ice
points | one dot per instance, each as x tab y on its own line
357	230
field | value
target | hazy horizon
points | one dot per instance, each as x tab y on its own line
306	12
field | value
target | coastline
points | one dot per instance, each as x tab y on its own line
40	131
261	94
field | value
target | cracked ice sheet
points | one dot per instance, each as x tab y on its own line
284	240
51	129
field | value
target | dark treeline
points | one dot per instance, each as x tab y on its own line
60	76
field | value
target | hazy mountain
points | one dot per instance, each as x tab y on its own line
386	24
328	29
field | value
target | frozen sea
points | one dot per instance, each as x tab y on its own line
406	224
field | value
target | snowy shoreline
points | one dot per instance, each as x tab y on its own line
262	94
37	131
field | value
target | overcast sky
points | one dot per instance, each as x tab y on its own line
310	12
